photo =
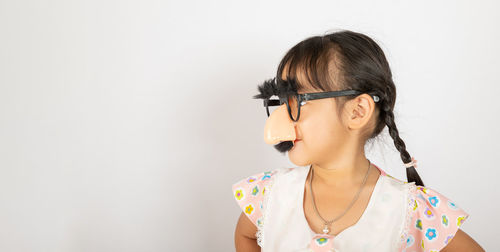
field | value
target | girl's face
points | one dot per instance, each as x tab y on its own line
322	134
320	131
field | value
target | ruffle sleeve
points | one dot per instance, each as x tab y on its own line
249	194
434	222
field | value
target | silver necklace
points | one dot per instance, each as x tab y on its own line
328	223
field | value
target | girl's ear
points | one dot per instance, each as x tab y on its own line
359	111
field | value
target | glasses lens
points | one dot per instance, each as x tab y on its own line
293	104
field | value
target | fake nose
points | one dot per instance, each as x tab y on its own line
279	127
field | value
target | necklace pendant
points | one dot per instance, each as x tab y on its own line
325	229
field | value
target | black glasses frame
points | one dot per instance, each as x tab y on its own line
308	97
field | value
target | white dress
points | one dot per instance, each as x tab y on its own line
400	216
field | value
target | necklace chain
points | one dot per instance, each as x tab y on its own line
328	223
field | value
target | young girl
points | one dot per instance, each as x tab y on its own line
336	93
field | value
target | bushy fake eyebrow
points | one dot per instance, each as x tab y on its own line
266	89
269	88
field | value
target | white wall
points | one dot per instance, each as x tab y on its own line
123	124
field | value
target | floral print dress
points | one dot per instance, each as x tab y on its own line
400	216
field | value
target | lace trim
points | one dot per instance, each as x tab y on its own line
410	192
260	226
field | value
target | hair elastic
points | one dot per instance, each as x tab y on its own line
412	163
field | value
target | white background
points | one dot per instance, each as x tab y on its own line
123	124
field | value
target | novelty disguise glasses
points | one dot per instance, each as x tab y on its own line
287	93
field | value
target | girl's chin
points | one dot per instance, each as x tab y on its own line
298	160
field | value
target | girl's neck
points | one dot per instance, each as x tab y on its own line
341	173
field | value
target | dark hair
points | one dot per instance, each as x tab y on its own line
349	60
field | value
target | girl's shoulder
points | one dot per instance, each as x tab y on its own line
433	219
250	192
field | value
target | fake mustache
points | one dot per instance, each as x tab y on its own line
283	147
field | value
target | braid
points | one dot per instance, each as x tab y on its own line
411	173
